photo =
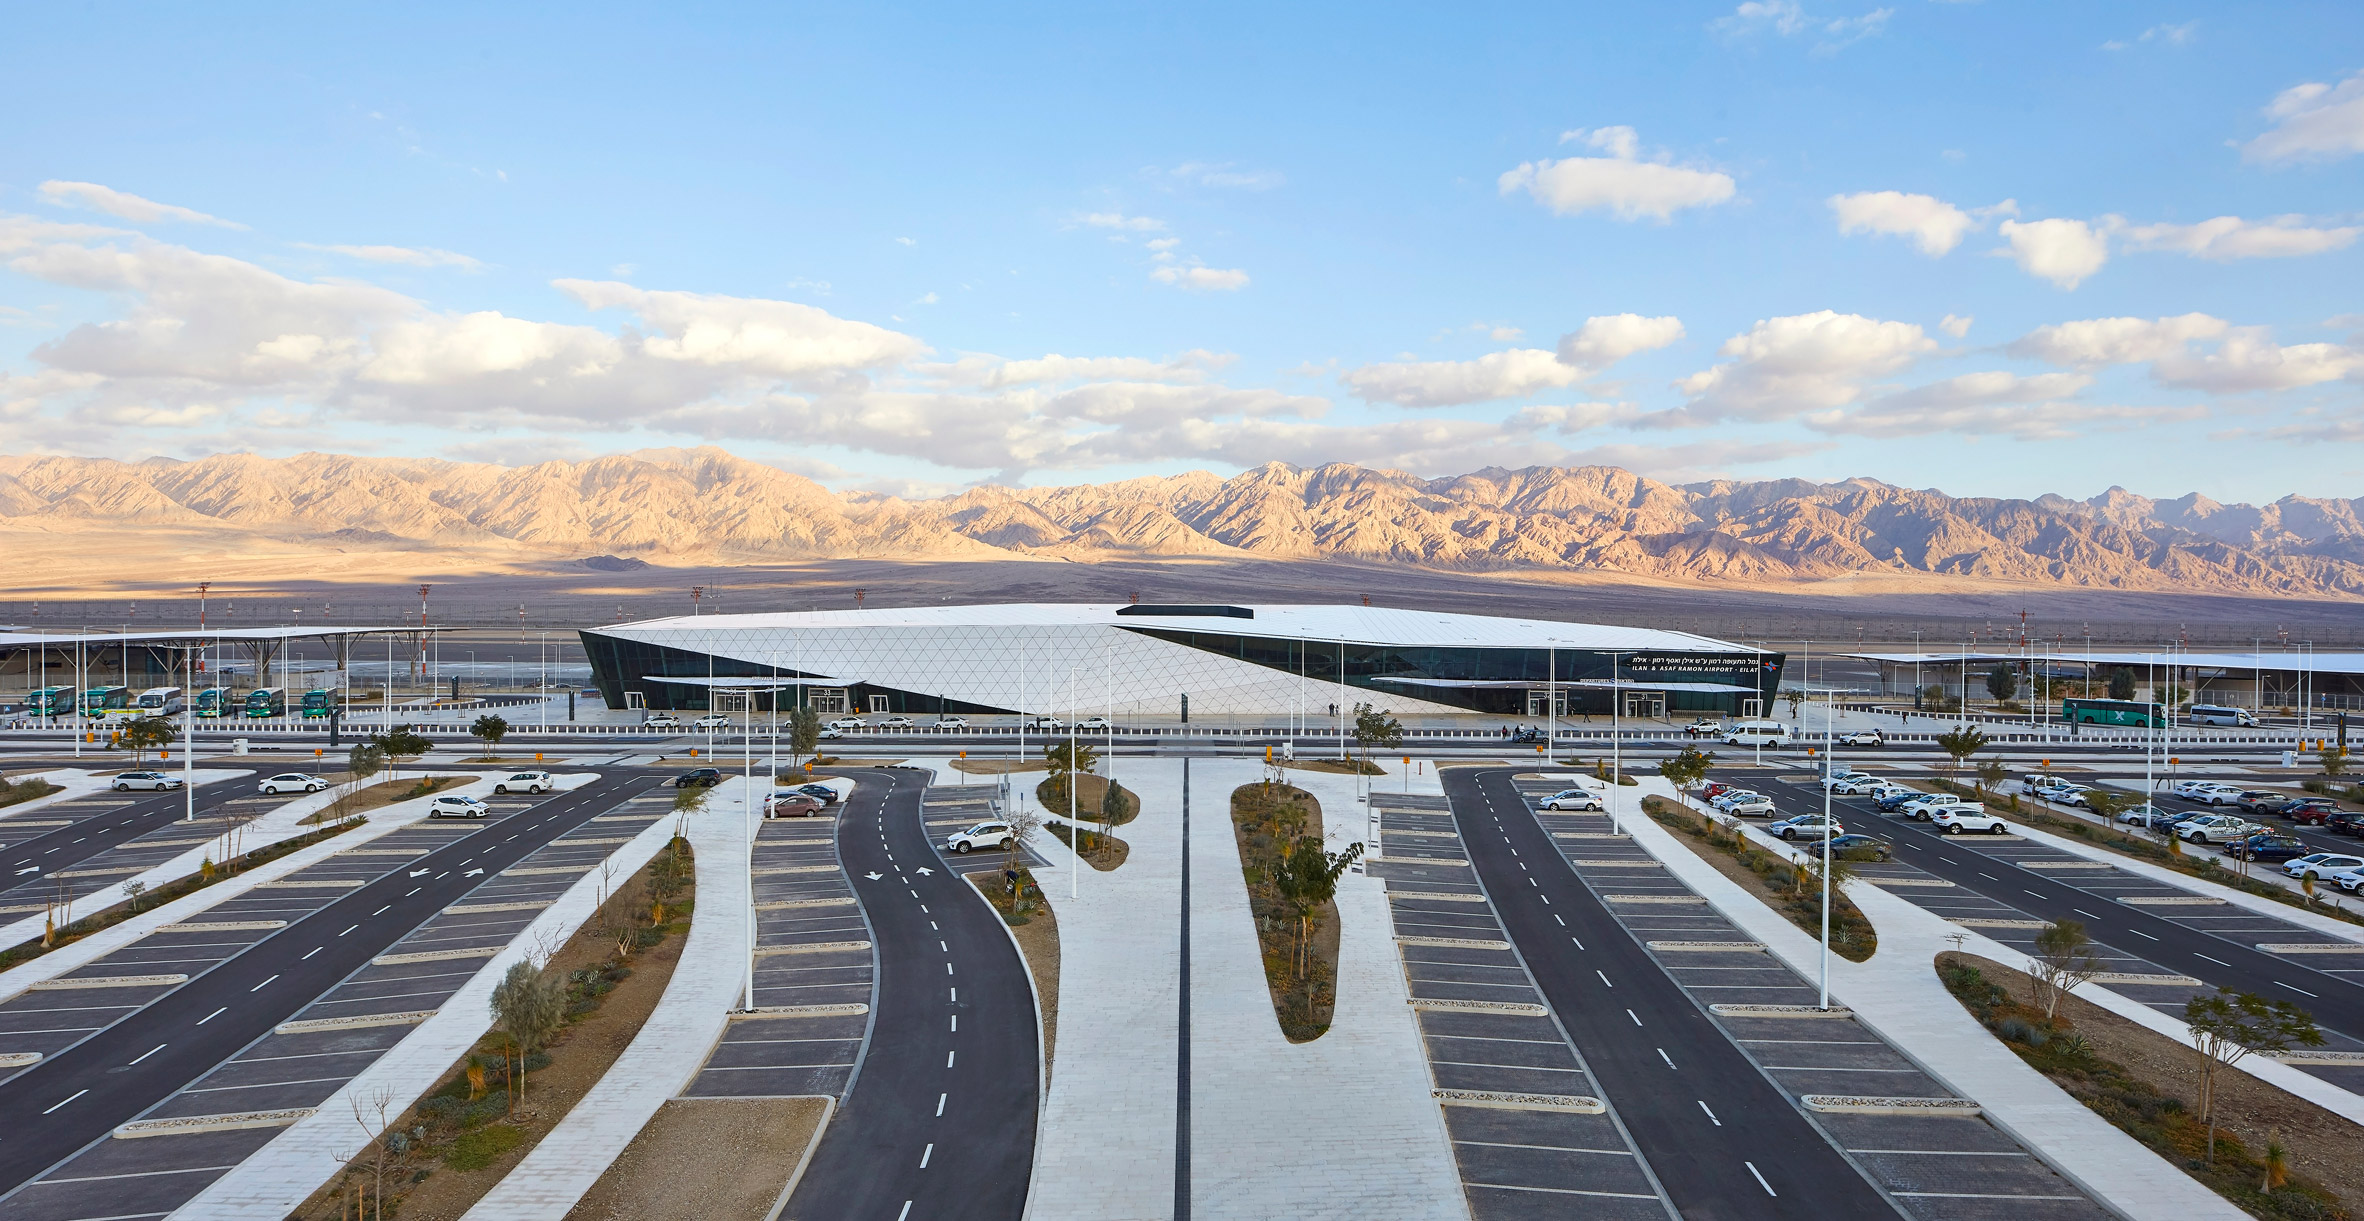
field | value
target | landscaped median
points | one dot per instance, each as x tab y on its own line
1292	878
1793	890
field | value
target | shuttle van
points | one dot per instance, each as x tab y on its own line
2220	714
1759	733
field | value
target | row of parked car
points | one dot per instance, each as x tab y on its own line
854	724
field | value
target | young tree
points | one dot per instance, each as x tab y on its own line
2230	1025
1023	825
364	761
489	729
529	1006
1373	727
1991	775
1961	742
1064	759
146	734
1308	878
401	742
2063	959
690	798
2109	803
804	732
2335	761
2002	683
2121	684
1797	699
1686	769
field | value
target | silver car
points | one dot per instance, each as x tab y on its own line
156	782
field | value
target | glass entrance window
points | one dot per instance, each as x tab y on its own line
1557	701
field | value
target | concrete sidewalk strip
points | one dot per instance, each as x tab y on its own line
662	1058
2139	977
314	884
2309	947
1781	1011
816	947
1638	862
359	1021
111	871
421	850
1847	1104
1663	900
396	960
541	871
781	905
1474	943
1432	896
2348	1059
469	909
1703	947
852	1009
2065	865
108	981
2171	900
223	926
1996	922
232	1122
1516	1008
783	870
19	1059
276	1178
1930	883
1577	1104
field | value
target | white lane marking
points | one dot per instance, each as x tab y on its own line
1711	1115
383	910
151	1051
2082	912
940	1104
941	946
906	1211
2139	933
956	996
265	984
315	949
1556	916
956	1023
1579	944
1661	1052
2218	961
1752	1169
2297	989
925	1154
1636	1019
211	1016
348	930
948	968
1545	898
76	1094
1605	980
948	1058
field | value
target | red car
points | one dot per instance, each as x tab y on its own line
1713	790
791	805
2309	811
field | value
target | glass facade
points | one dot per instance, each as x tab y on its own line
619	665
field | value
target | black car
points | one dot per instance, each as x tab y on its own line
820	792
1861	848
2267	847
2344	822
698	778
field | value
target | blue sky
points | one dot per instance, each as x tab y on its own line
1994	248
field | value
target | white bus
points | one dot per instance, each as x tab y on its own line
159	701
2220	714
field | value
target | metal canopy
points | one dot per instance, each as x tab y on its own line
752	684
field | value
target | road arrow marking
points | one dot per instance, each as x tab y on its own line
473	873
874	875
22	872
417	872
924	870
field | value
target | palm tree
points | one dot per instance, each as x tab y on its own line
1961	742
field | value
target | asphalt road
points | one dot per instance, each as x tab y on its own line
1725	1142
81	1094
941	1122
67	847
2336	1003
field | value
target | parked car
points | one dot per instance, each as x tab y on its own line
457	807
1047	722
1963	817
1704	727
1879	790
1864	737
2215	828
1895	801
1922	806
1715	788
1851	785
792	804
2231	795
1573	799
2350	880
1752	806
2196	790
827	733
525	782
2344	822
2307	811
1093	722
1805	826
152	781
2265	847
292	782
698	778
712	721
2322	865
830	790
846	723
660	720
2261	801
2147	815
983	835
1856	847
1725	799
898	722
950	722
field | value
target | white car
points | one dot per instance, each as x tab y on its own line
1805	826
2216	828
1048	722
525	782
1857	783
897	722
983	835
152	781
1963	817
1573	799
1704	727
712	721
293	782
828	732
1863	737
2034	783
950	722
845	723
2223	795
660	720
457	807
1878	789
2197	790
1728	797
1093	722
1752	806
2323	865
2065	794
2147	815
1921	808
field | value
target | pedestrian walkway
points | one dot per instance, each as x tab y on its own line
1898	995
672	1044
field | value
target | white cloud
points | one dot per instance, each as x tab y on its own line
1205	279
130	207
2230	237
2249	361
1118	220
1604	341
1934	225
1163	244
2062	251
2164	35
1956	325
1784	367
993	372
1443	383
2313	122
907	241
759	336
414	256
2021	421
2092	342
1224	175
1788	19
1620	183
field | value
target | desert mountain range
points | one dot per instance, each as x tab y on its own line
79	521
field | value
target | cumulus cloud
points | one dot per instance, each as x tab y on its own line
993	372
1224	175
2062	251
2164	35
1621	183
776	338
1118	220
2230	237
1203	279
1934	225
1784	367
2312	122
1787	19
1956	325
1515	373
2020	421
126	205
2093	342
412	256
2244	360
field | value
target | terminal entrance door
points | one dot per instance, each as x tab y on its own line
828	701
1649	705
1752	709
1537	701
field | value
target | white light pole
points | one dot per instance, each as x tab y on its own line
1074	833
753	829
189	740
1551	698
1830	715
1616	747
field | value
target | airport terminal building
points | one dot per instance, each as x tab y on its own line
1168	661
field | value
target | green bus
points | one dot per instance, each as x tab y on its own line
2113	712
108	701
266	702
213	702
320	702
53	702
